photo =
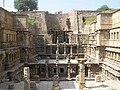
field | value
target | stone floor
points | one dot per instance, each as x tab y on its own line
67	85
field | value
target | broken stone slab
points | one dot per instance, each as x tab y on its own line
33	85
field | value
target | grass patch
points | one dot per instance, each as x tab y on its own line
89	20
31	21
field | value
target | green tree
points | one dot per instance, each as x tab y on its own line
103	8
26	5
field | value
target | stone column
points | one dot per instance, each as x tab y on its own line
70	37
57	70
65	49
71	44
36	69
44	44
26	78
46	65
71	51
81	73
69	70
98	38
89	71
57	58
97	54
36	76
100	69
51	48
26	55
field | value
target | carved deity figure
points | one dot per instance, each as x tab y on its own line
68	23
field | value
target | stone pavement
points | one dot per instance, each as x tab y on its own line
67	85
17	86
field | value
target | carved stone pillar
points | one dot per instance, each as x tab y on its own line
46	65
26	78
44	44
71	51
51	48
57	68
98	54
81	73
26	55
89	71
100	69
98	38
65	49
36	69
69	70
57	58
70	37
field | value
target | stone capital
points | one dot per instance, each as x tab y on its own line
81	60
89	65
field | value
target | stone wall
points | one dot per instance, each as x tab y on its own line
104	37
20	21
44	21
116	19
6	19
114	37
88	13
8	38
23	38
10	25
39	26
47	24
104	21
12	57
56	21
1	63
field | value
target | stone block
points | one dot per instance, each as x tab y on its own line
33	85
11	87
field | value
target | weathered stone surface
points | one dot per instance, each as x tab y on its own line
98	78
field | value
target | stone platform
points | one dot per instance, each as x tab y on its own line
67	85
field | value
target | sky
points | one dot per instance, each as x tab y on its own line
66	5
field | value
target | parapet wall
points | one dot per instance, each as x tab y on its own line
88	12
